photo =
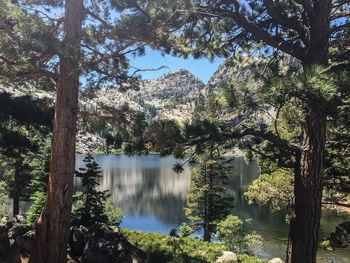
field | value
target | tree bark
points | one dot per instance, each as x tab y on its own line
207	233
52	230
15	205
16	191
308	186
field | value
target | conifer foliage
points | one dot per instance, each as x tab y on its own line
38	184
208	202
92	206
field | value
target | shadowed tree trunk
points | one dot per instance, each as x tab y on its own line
16	190
50	244
308	187
15	207
304	228
206	233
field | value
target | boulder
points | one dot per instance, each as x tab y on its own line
227	257
22	236
101	243
77	240
341	236
276	260
4	243
6	222
8	253
19	219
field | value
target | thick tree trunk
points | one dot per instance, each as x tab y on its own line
308	189
308	186
50	244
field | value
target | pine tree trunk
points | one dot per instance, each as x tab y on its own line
308	186
16	192
206	234
15	206
50	244
308	189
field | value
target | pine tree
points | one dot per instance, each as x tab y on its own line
90	204
17	180
208	202
23	120
41	167
38	202
39	180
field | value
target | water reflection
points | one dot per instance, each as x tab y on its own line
151	196
145	188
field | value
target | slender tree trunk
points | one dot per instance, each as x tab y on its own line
16	190
15	206
308	186
50	244
207	233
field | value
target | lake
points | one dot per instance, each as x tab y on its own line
152	196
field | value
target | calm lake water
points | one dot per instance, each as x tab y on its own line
152	196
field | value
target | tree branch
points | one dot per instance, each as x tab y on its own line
288	22
9	33
307	6
266	135
113	54
273	41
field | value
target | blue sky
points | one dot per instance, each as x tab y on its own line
202	68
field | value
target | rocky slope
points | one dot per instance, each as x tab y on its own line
172	96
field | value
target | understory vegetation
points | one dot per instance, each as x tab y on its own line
163	248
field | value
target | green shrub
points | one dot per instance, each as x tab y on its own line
232	234
252	243
168	249
114	214
185	230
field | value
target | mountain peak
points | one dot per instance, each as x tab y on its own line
183	74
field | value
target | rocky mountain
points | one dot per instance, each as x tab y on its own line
172	96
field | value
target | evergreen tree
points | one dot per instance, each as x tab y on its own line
41	167
23	120
38	202
17	180
39	181
208	202
92	206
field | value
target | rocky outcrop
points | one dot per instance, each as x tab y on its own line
102	244
22	236
227	257
341	236
9	251
97	244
